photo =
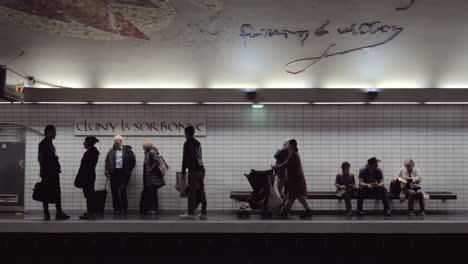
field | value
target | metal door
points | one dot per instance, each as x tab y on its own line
12	164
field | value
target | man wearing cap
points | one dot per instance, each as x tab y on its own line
371	184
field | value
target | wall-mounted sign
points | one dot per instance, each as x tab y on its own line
138	126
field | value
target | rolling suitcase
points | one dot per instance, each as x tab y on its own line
100	199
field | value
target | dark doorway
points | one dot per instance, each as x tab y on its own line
12	164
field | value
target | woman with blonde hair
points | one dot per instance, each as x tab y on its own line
152	180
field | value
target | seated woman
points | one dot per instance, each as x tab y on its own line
295	181
346	186
410	178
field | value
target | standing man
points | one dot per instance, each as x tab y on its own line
346	186
192	160
120	161
281	156
371	183
50	174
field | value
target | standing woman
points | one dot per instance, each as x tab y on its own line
87	175
295	181
152	178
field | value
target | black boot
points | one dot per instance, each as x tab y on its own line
307	214
61	216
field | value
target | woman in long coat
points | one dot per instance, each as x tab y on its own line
86	176
295	181
152	180
50	175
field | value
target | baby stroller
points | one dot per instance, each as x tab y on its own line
264	196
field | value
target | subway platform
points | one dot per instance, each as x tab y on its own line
224	238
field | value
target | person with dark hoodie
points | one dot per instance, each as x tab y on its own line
50	174
86	176
152	178
120	161
192	160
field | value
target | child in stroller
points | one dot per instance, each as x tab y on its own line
264	196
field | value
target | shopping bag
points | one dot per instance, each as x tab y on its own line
181	183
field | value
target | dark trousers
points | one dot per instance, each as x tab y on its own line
377	192
88	193
58	206
347	194
411	195
118	184
196	191
152	195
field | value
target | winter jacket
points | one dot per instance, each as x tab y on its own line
87	173
152	177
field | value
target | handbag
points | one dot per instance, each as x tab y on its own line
39	193
163	167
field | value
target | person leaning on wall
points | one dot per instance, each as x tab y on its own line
346	186
120	161
410	179
152	179
193	162
50	173
86	176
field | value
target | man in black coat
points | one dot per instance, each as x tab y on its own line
192	160
120	161
50	174
86	176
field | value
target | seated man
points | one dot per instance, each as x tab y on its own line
371	184
346	186
409	178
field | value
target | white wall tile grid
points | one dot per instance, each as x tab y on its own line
240	138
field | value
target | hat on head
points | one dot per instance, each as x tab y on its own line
373	160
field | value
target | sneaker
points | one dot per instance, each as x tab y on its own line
87	216
360	213
350	213
388	213
116	212
411	213
61	216
422	213
202	216
187	216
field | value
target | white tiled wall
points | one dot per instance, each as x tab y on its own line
240	138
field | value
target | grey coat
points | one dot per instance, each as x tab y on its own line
152	177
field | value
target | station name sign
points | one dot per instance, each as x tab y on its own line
138	126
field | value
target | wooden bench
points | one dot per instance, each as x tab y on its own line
242	196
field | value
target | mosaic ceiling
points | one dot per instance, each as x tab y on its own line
95	19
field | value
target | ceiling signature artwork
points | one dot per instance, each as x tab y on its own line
94	19
366	28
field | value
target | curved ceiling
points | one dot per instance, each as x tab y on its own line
237	43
